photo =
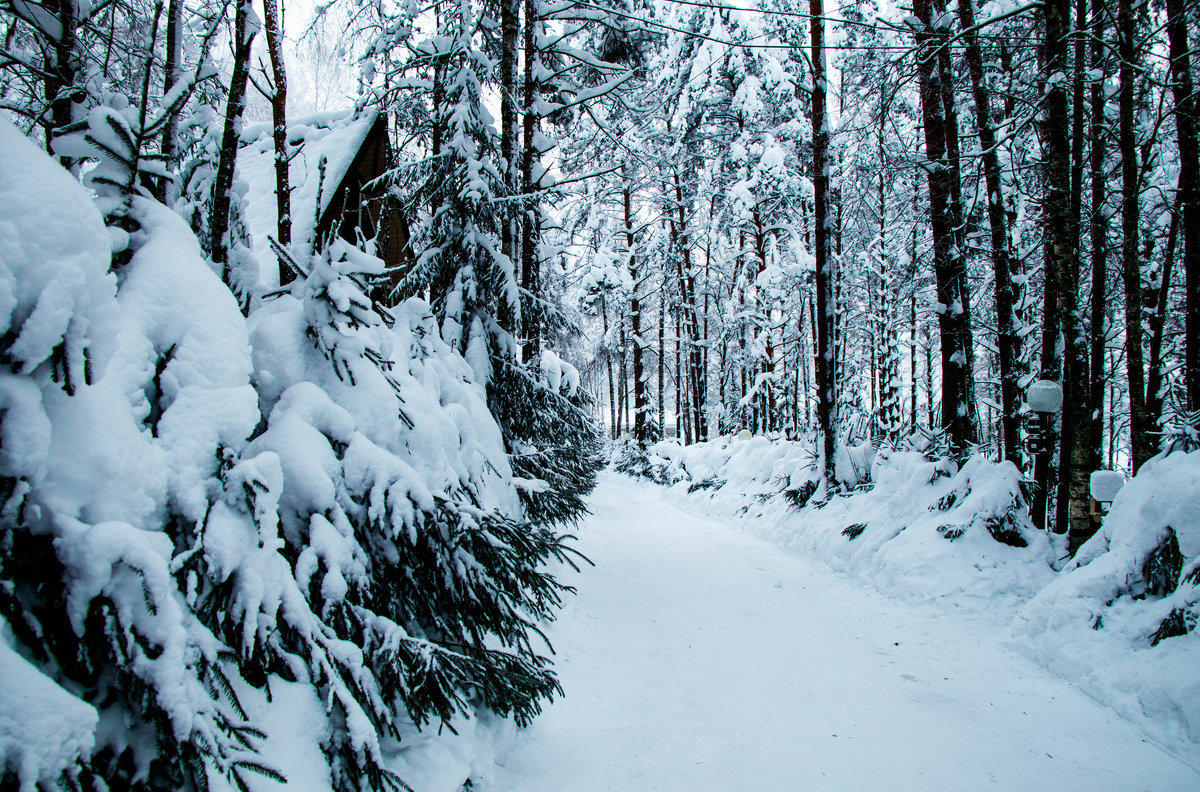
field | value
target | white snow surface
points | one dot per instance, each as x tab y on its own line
1093	624
904	520
698	657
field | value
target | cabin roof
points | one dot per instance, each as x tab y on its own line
337	137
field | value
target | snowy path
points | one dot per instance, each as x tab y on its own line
697	658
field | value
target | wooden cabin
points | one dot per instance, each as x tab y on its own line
337	189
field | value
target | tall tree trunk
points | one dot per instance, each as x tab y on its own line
283	191
612	398
60	72
826	387
641	404
958	411
1008	341
234	106
531	312
1158	323
662	351
1099	237
687	287
510	11
1189	190
172	74
1131	269
1061	268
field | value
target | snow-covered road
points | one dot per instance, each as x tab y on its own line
697	658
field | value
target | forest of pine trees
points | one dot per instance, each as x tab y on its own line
836	224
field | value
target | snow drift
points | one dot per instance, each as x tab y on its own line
1118	619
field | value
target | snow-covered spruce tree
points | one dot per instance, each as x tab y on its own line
366	555
411	578
552	442
119	407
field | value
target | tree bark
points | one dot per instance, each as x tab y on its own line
826	387
1158	323
283	193
1189	190
234	106
1060	247
172	73
1131	270
1004	263
1099	239
958	412
510	11
531	319
61	70
641	404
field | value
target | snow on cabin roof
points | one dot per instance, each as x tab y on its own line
336	136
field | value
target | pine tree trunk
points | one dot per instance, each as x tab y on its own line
687	287
826	387
1189	191
283	193
60	71
172	73
1099	239
235	104
531	324
1158	323
1131	269
1008	341
958	413
612	398
1073	498
510	11
641	404
662	352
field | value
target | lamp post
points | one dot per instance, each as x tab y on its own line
1044	398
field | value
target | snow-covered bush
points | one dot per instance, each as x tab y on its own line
210	525
1121	618
119	408
924	528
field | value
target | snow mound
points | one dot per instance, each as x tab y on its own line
921	530
1120	619
56	293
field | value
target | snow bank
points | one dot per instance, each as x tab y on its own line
921	530
1120	619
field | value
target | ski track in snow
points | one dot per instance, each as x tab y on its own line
696	657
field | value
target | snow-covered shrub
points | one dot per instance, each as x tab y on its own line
925	529
209	526
119	408
416	571
627	456
1121	617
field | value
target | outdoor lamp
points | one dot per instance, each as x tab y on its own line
1044	398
